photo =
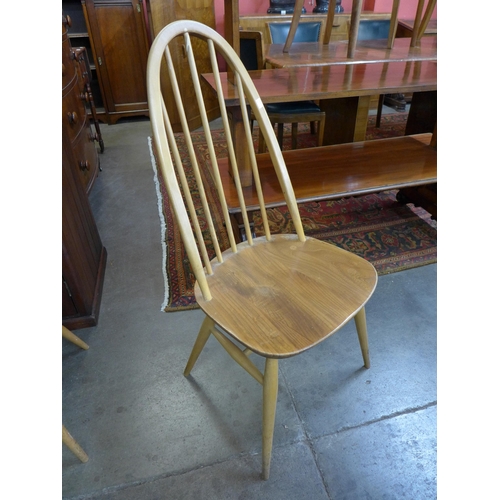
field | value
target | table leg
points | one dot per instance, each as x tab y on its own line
238	226
422	116
346	119
240	145
362	118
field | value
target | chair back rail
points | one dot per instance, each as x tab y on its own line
170	160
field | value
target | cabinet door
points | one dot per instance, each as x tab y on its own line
120	47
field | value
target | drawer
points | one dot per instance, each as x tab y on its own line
83	64
86	157
73	110
68	62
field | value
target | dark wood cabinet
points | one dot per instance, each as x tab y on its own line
79	39
120	46
83	254
75	113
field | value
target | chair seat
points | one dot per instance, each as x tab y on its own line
293	107
291	296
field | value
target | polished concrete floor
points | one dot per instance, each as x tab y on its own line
342	432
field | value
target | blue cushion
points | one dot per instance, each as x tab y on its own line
293	107
306	32
372	29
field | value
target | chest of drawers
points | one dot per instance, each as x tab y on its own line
75	119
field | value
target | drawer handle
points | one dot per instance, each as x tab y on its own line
67	21
72	118
84	165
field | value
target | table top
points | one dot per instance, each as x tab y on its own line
327	82
409	23
335	53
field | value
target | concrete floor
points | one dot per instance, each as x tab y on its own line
342	432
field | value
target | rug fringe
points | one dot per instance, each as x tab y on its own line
163	225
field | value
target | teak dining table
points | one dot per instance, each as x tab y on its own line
344	92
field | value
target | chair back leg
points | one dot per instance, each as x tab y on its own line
201	340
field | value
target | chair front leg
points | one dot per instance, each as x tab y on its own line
269	413
360	320
201	340
70	442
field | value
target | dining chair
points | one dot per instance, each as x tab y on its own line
252	56
375	29
305	32
252	49
277	295
298	111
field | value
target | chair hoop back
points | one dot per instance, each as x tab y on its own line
178	184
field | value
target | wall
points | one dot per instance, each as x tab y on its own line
407	8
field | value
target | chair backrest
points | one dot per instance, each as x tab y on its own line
181	178
251	49
373	29
306	32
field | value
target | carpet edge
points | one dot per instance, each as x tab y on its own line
163	225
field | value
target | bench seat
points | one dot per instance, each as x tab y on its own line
329	172
341	170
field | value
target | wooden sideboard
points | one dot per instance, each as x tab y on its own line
83	254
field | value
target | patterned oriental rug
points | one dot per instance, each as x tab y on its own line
391	235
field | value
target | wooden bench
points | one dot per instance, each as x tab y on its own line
337	171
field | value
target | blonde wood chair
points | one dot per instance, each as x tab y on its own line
72	444
69	335
278	295
67	438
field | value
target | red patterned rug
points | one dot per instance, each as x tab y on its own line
391	235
